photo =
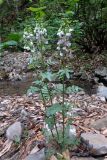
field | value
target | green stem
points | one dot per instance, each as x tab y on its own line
63	112
44	103
53	116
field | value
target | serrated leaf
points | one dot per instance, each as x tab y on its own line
47	76
50	121
53	109
33	90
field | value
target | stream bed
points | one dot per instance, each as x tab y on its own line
20	87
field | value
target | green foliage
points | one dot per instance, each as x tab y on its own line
8	44
73	89
14	36
55	108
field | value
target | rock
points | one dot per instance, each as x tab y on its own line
83	158
14	132
77	112
84	76
105	132
23	114
95	80
40	155
101	72
100	123
71	132
14	76
102	90
96	143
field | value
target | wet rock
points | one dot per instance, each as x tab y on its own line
96	143
100	123
40	155
83	158
14	131
102	90
101	72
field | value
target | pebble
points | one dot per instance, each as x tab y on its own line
40	155
14	132
100	123
96	143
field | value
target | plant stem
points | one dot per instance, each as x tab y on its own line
53	116
63	112
44	103
45	110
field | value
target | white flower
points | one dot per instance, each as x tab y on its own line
58	48
46	42
64	48
27	48
60	33
71	29
31	43
68	34
68	44
61	41
44	31
31	35
61	54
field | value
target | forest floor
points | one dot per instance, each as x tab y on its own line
29	110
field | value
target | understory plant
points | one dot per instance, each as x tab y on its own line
34	41
58	124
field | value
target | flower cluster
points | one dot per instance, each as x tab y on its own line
28	41
64	43
40	34
35	40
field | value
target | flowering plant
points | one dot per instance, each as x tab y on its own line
64	44
35	42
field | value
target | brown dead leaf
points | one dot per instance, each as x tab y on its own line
53	158
7	146
34	150
66	155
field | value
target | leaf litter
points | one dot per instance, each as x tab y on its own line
33	121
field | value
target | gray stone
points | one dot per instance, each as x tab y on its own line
84	76
96	143
14	131
83	158
100	123
101	71
102	90
40	155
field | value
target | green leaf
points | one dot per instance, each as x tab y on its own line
45	92
59	88
47	76
33	90
50	121
73	89
53	109
65	73
36	9
14	36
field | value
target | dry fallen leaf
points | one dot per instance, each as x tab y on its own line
53	158
34	150
7	146
66	155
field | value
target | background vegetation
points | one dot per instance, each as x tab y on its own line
88	17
